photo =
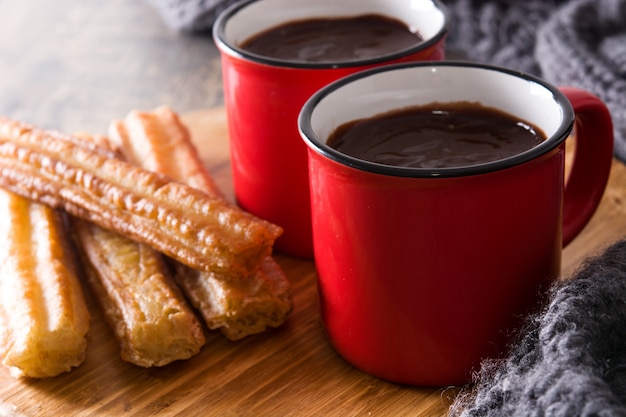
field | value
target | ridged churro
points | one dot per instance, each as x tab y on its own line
239	308
158	141
142	304
43	316
146	311
200	231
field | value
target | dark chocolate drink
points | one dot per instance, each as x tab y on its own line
333	39
437	135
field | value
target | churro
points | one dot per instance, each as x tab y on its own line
160	142
43	316
149	316
200	231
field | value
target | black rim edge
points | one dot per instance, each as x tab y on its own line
233	50
322	148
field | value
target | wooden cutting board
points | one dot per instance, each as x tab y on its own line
290	371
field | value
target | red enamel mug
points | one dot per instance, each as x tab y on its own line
422	272
264	95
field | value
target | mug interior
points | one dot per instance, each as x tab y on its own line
243	20
380	90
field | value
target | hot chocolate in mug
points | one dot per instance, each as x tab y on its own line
425	271
264	93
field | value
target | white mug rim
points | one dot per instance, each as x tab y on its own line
228	47
317	144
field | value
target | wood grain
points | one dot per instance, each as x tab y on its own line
290	371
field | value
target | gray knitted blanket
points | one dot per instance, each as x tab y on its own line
570	360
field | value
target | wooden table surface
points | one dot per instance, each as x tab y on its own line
75	65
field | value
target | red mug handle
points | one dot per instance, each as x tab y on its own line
592	161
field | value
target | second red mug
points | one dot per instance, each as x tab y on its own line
264	95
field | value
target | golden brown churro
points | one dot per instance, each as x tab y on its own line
146	311
43	316
239	308
141	303
186	224
158	141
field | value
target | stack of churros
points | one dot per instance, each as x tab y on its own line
150	319
198	230
152	232
238	306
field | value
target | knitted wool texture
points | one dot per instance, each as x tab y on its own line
586	46
571	360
